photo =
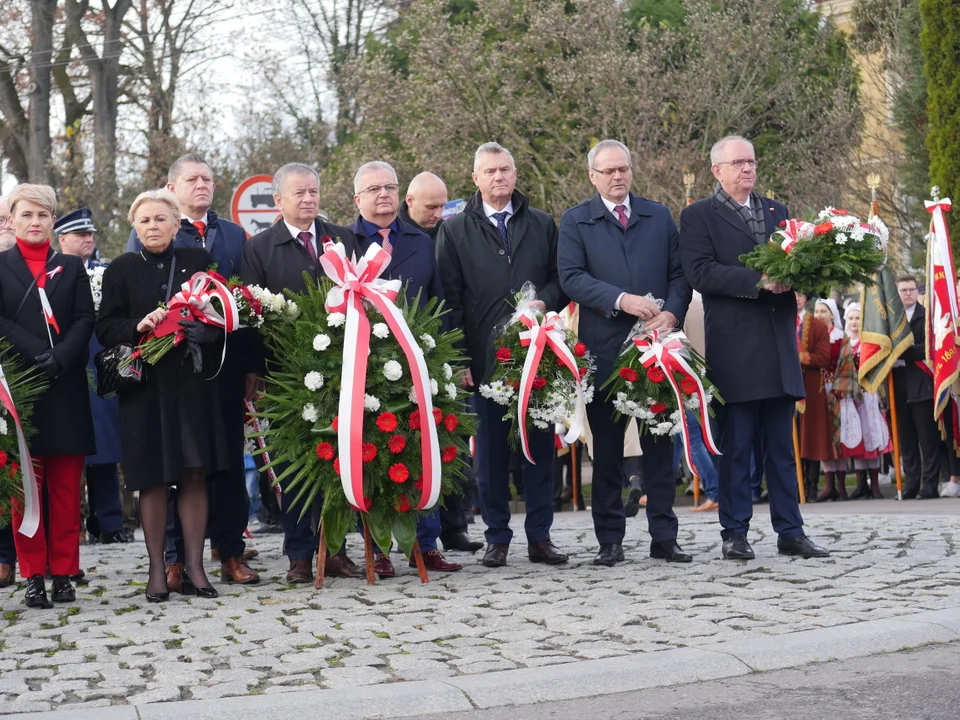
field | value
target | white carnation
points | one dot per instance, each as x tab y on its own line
447	371
451	390
309	413
434	388
381	330
428	342
412	395
392	370
291	310
313	380
321	342
336	319
3	426
371	403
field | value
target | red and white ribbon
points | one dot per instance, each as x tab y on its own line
262	447
537	337
667	354
354	283
941	237
31	491
793	232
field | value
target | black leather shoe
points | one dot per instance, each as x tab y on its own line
188	588
461	541
909	493
670	551
736	547
156	597
120	536
610	554
927	494
802	546
496	555
62	590
545	551
36	594
632	506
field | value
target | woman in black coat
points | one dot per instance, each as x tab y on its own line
57	345
171	428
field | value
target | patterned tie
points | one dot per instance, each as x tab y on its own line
621	211
385	243
501	218
307	239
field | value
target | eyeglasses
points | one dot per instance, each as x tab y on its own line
623	170
738	164
391	189
4	221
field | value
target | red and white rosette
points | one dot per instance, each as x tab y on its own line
667	354
354	283
792	232
537	337
31	491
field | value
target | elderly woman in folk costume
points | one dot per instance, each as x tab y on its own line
867	440
840	367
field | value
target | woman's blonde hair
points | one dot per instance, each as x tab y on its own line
162	195
42	195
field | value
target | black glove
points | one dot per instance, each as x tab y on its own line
48	364
196	355
199	333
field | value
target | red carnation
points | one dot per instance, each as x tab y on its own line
399	473
336	466
839	212
437	416
324	240
658	408
450	422
539	383
418	484
823	228
368	452
3	459
335	424
415	420
783	223
396	444
688	385
387	422
656	375
583	372
579	349
504	354
449	454
402	504
324	451
628	374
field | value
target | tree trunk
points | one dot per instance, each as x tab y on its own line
41	55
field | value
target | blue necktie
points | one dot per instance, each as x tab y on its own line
501	218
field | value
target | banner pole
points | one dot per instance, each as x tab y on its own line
894	430
796	455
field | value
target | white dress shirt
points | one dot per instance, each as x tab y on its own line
295	231
194	222
490	210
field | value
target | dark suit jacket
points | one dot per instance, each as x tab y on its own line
598	259
61	415
413	261
751	334
225	241
919	383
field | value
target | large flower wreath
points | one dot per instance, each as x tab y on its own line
307	393
19	388
542	373
659	376
836	250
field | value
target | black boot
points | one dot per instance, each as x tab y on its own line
830	491
841	485
875	484
812	480
36	595
863	490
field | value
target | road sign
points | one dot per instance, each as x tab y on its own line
252	206
454	207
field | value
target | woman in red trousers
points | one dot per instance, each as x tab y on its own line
56	341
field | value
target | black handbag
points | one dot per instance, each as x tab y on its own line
116	371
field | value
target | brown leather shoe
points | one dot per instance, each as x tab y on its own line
434	560
236	570
300	571
174	576
8	573
342	566
248	554
383	567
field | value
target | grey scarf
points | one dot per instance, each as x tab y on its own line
752	216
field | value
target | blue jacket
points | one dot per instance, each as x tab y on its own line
598	259
413	261
224	241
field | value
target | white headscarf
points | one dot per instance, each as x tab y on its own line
853	307
837	332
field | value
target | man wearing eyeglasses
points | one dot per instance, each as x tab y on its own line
8	238
412	261
750	324
616	252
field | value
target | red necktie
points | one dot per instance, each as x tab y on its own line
201	228
307	239
385	244
620	210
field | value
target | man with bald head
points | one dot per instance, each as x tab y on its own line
8	238
423	205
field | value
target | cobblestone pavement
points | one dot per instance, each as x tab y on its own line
114	648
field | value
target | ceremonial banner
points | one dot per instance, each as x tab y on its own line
943	353
885	331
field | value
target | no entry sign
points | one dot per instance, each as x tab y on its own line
252	206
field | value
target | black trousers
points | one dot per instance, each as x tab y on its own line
931	444
907	433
